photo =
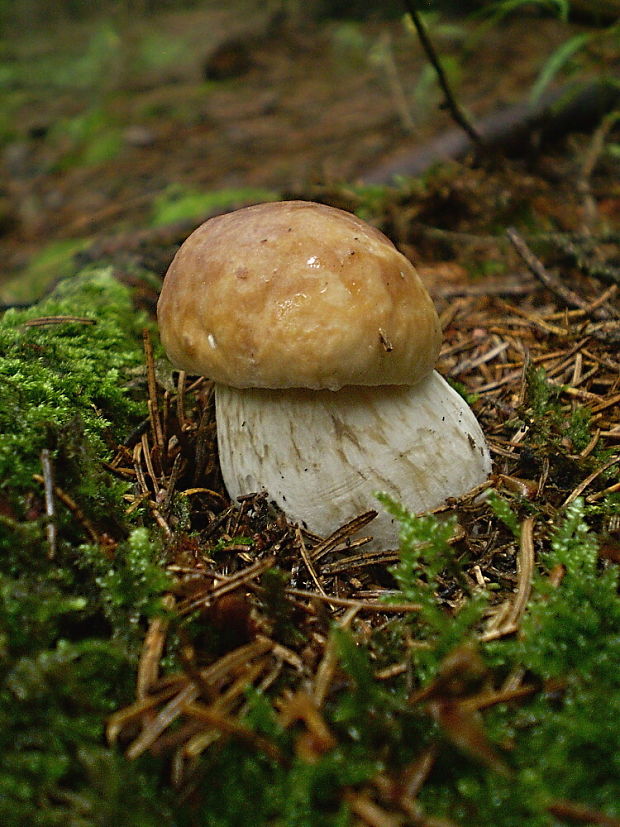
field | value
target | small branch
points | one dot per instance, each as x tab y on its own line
451	103
572	811
551	282
525	572
50	509
153	404
309	564
341	534
228	725
327	667
74	508
362	605
577	492
152	650
48	320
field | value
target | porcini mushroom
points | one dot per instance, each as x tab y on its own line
321	340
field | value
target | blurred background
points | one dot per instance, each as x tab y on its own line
121	116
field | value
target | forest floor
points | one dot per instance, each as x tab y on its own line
170	656
109	123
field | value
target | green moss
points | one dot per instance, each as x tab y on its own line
558	432
564	741
540	394
560	743
178	203
64	387
70	628
130	584
548	422
425	554
563	623
461	389
578	428
253	790
54	261
55	694
504	513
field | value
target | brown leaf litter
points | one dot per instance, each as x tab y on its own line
220	553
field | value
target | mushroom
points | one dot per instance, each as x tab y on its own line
321	340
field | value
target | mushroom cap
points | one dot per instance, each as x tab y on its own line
296	294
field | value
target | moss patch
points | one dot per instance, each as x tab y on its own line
67	652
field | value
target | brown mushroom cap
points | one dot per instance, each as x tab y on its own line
296	294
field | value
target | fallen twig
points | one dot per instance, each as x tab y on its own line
50	508
550	281
451	103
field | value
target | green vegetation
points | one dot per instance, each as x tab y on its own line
87	139
177	203
563	742
52	263
510	767
70	626
410	699
558	432
73	619
64	383
425	553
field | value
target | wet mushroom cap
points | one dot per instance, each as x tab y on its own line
296	294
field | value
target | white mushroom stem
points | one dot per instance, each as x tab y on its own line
323	455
